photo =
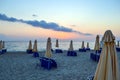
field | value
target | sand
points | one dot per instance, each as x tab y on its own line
22	66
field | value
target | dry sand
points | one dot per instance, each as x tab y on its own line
22	66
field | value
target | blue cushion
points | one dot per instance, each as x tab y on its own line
71	53
29	51
48	63
97	57
118	49
58	51
94	56
1	52
35	54
88	49
98	51
4	50
82	50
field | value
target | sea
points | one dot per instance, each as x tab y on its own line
41	45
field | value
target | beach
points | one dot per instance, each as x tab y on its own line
22	66
32	31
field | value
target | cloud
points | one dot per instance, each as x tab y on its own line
5	18
42	24
51	25
34	15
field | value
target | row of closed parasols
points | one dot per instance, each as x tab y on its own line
107	68
34	49
70	52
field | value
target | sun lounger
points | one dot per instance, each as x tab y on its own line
29	51
94	56
98	51
58	51
48	63
35	54
4	50
118	49
1	52
82	50
71	53
88	49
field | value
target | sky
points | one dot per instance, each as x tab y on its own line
58	19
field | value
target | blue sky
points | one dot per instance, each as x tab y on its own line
84	16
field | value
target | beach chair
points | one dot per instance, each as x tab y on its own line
94	57
98	51
4	50
118	49
1	52
82	50
58	51
97	57
71	53
29	51
48	63
35	54
54	64
87	49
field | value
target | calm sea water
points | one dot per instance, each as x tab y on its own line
23	45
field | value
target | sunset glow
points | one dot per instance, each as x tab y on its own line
76	19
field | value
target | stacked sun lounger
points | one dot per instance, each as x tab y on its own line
35	54
87	49
95	56
118	49
48	63
3	51
58	51
82	50
29	51
71	53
